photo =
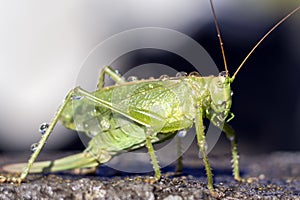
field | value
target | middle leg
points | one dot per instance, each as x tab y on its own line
202	146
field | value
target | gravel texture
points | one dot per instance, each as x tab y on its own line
270	176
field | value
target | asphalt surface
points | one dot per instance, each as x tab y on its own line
270	176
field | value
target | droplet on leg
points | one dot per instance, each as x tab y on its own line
33	147
77	97
43	128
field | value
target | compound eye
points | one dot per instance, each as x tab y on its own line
223	73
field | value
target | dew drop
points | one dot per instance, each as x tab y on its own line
205	147
132	78
151	86
105	124
92	134
194	74
33	147
117	72
231	93
76	97
44	126
223	73
164	77
181	74
182	133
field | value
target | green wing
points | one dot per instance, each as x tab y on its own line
159	104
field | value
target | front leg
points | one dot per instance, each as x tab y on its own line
230	134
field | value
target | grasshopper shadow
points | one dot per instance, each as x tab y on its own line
107	172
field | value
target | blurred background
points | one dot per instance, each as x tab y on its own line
43	46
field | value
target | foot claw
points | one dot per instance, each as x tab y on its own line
214	193
239	179
251	179
151	180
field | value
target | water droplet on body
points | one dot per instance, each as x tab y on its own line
43	128
205	147
223	73
76	97
194	74
105	124
117	72
164	77
132	78
33	147
92	134
182	133
181	74
231	138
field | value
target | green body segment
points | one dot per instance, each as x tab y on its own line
166	106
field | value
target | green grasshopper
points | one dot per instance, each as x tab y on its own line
137	114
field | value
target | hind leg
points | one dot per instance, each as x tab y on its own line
40	144
110	72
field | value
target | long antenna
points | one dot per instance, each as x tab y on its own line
219	36
262	39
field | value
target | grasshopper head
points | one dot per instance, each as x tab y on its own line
220	93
